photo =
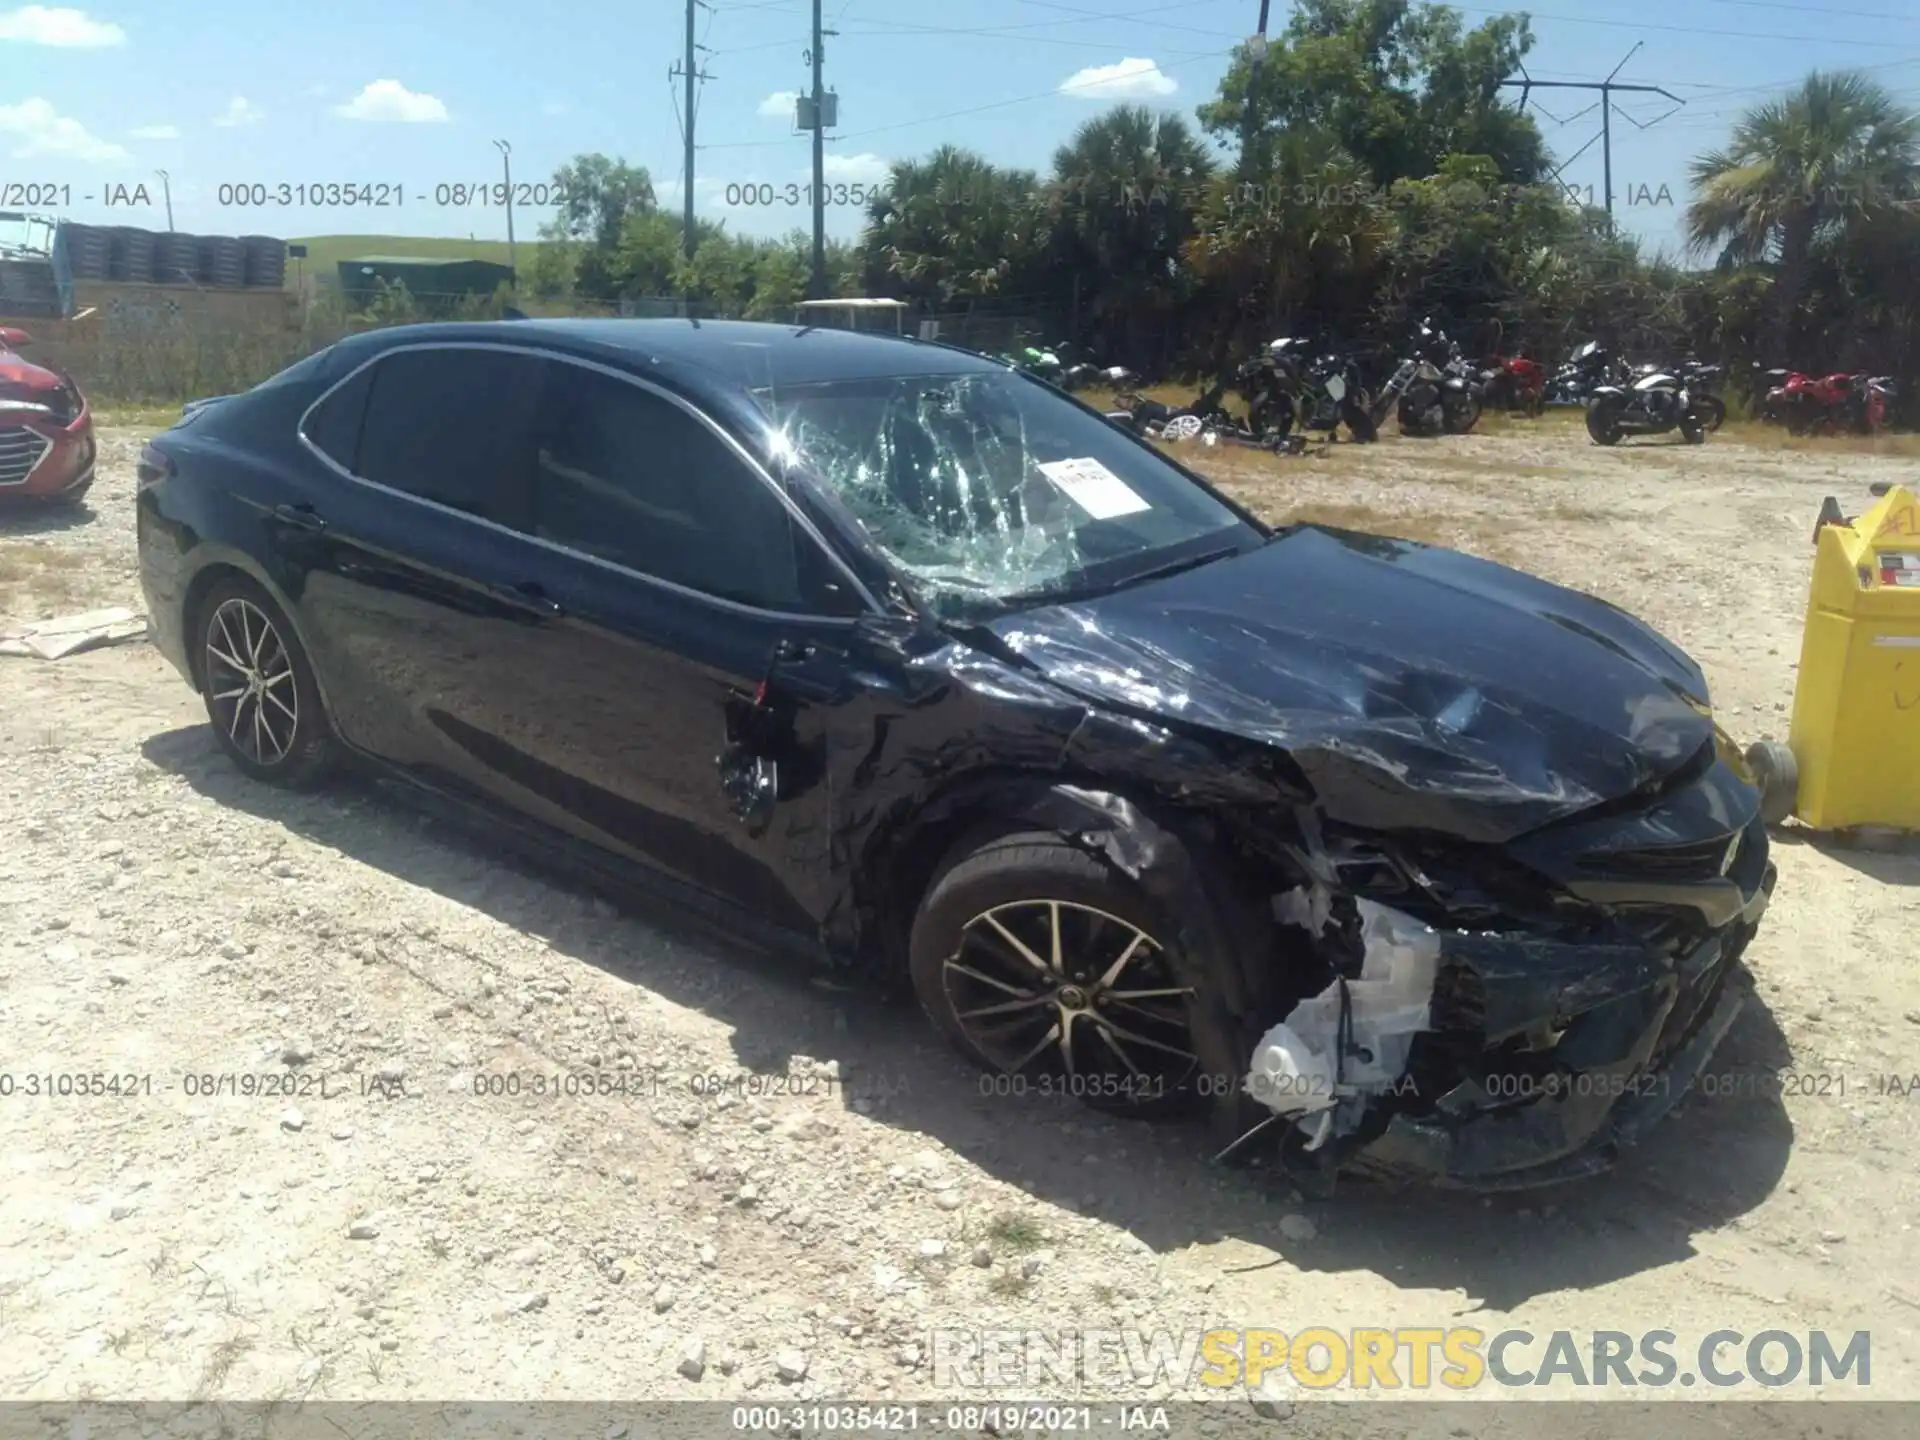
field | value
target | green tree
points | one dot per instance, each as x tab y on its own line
1397	84
598	193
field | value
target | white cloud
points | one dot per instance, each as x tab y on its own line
1122	80
389	100
857	169
66	29
155	132
779	105
40	130
239	111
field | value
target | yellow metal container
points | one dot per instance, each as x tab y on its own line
1856	705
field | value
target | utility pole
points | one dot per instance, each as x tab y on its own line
506	166
689	71
1258	52
818	285
166	187
1606	87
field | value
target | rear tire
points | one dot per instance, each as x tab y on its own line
258	685
1047	892
1712	411
1692	430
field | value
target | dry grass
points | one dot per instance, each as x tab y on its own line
1775	437
39	580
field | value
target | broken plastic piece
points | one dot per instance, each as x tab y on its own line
1378	1014
1288	1075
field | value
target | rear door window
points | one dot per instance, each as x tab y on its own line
333	426
454	425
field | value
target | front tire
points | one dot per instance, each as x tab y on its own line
1042	964
261	697
1603	420
1712	411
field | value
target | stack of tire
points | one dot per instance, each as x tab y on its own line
222	261
266	262
130	255
89	250
176	258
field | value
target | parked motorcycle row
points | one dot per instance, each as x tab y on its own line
1295	388
1845	403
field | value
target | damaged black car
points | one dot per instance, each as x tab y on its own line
883	652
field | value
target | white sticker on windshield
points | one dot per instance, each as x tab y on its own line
1094	488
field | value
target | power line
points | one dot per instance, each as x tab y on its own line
971	110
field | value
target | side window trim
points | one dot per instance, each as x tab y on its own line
800	519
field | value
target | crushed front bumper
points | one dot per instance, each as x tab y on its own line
1587	1046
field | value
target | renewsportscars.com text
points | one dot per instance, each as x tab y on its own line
1399	1358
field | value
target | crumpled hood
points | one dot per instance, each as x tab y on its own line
1416	687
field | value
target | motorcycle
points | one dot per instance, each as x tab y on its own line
1511	382
1586	369
1700	380
1653	402
1815	404
1434	388
1269	411
1117	378
1334	394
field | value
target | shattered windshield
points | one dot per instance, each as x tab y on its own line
989	491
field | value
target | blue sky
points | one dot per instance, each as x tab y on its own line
360	92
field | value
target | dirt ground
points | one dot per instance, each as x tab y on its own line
384	1232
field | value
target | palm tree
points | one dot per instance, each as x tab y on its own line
1811	170
950	226
1125	193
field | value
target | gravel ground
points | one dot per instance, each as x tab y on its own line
376	1229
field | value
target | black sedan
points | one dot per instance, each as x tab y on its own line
912	663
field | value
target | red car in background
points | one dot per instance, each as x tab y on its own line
46	429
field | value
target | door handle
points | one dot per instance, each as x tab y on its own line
531	594
301	517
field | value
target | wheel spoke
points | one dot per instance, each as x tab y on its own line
233	726
224	658
1053	1034
1054	961
1006	1007
1148	994
986	979
285	709
1113	970
1115	1030
246	613
1020	946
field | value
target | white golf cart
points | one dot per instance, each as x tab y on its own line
864	313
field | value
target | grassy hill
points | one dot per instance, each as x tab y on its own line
325	252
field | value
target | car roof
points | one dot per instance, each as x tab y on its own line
725	354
